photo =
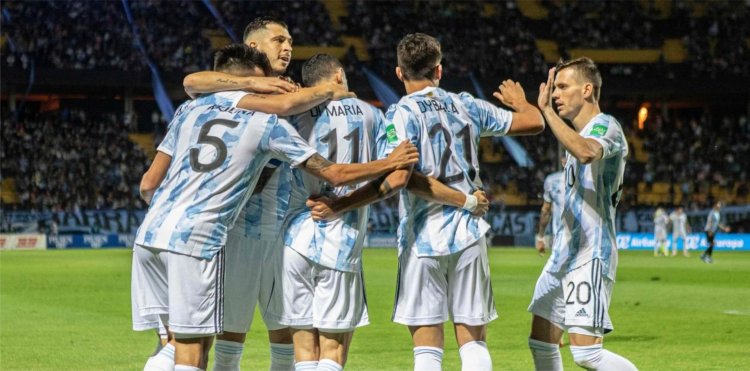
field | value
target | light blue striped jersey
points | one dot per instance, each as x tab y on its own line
446	129
217	154
712	222
554	193
263	216
344	131
592	192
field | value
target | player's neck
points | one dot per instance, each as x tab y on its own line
417	85
588	112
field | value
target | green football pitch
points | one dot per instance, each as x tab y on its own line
70	310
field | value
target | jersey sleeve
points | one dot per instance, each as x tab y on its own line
393	130
232	97
287	145
609	134
493	121
169	142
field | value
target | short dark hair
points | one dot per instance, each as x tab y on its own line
241	56
586	68
319	67
418	55
259	23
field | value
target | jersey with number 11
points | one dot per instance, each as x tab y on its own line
344	131
446	129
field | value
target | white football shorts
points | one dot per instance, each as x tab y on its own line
314	296
430	290
196	295
149	295
249	280
579	298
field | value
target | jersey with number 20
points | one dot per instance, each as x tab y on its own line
446	128
592	192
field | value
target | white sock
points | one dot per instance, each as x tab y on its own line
305	366
162	361
282	357
475	356
227	355
186	368
428	359
593	357
546	356
328	365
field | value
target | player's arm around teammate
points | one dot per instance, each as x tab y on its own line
429	188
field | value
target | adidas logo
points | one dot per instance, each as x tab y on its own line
582	313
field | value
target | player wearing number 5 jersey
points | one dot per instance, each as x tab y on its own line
443	266
218	154
575	288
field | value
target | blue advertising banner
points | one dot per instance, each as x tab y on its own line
89	241
695	241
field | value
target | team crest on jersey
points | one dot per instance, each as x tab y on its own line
599	130
390	134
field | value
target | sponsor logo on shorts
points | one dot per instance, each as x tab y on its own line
582	313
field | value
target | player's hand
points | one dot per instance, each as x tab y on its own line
321	208
540	246
511	94
727	229
404	156
483	204
269	85
340	92
545	91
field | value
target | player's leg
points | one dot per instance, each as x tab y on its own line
196	313
685	245
588	293
150	298
586	346
706	256
293	307
339	306
270	300
548	307
306	348
243	258
282	348
334	349
472	304
429	342
423	310
674	243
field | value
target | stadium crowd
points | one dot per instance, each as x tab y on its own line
465	34
98	36
71	160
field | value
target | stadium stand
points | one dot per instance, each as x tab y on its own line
70	160
674	159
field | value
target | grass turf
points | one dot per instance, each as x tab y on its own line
70	310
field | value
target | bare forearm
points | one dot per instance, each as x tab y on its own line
377	190
527	120
288	104
573	142
433	190
544	218
345	174
209	82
